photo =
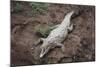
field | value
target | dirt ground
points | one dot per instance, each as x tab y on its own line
80	43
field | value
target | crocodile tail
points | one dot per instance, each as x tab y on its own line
69	14
67	18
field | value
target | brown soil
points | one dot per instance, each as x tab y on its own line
80	44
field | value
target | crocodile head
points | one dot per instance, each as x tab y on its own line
45	47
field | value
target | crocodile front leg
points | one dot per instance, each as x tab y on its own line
40	40
62	46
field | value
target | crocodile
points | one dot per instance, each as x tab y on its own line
57	35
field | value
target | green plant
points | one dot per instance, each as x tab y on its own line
18	7
38	8
43	30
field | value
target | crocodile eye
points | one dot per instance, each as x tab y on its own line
50	43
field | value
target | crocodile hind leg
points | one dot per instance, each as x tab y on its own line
70	28
55	26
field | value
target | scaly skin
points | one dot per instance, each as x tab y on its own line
57	36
